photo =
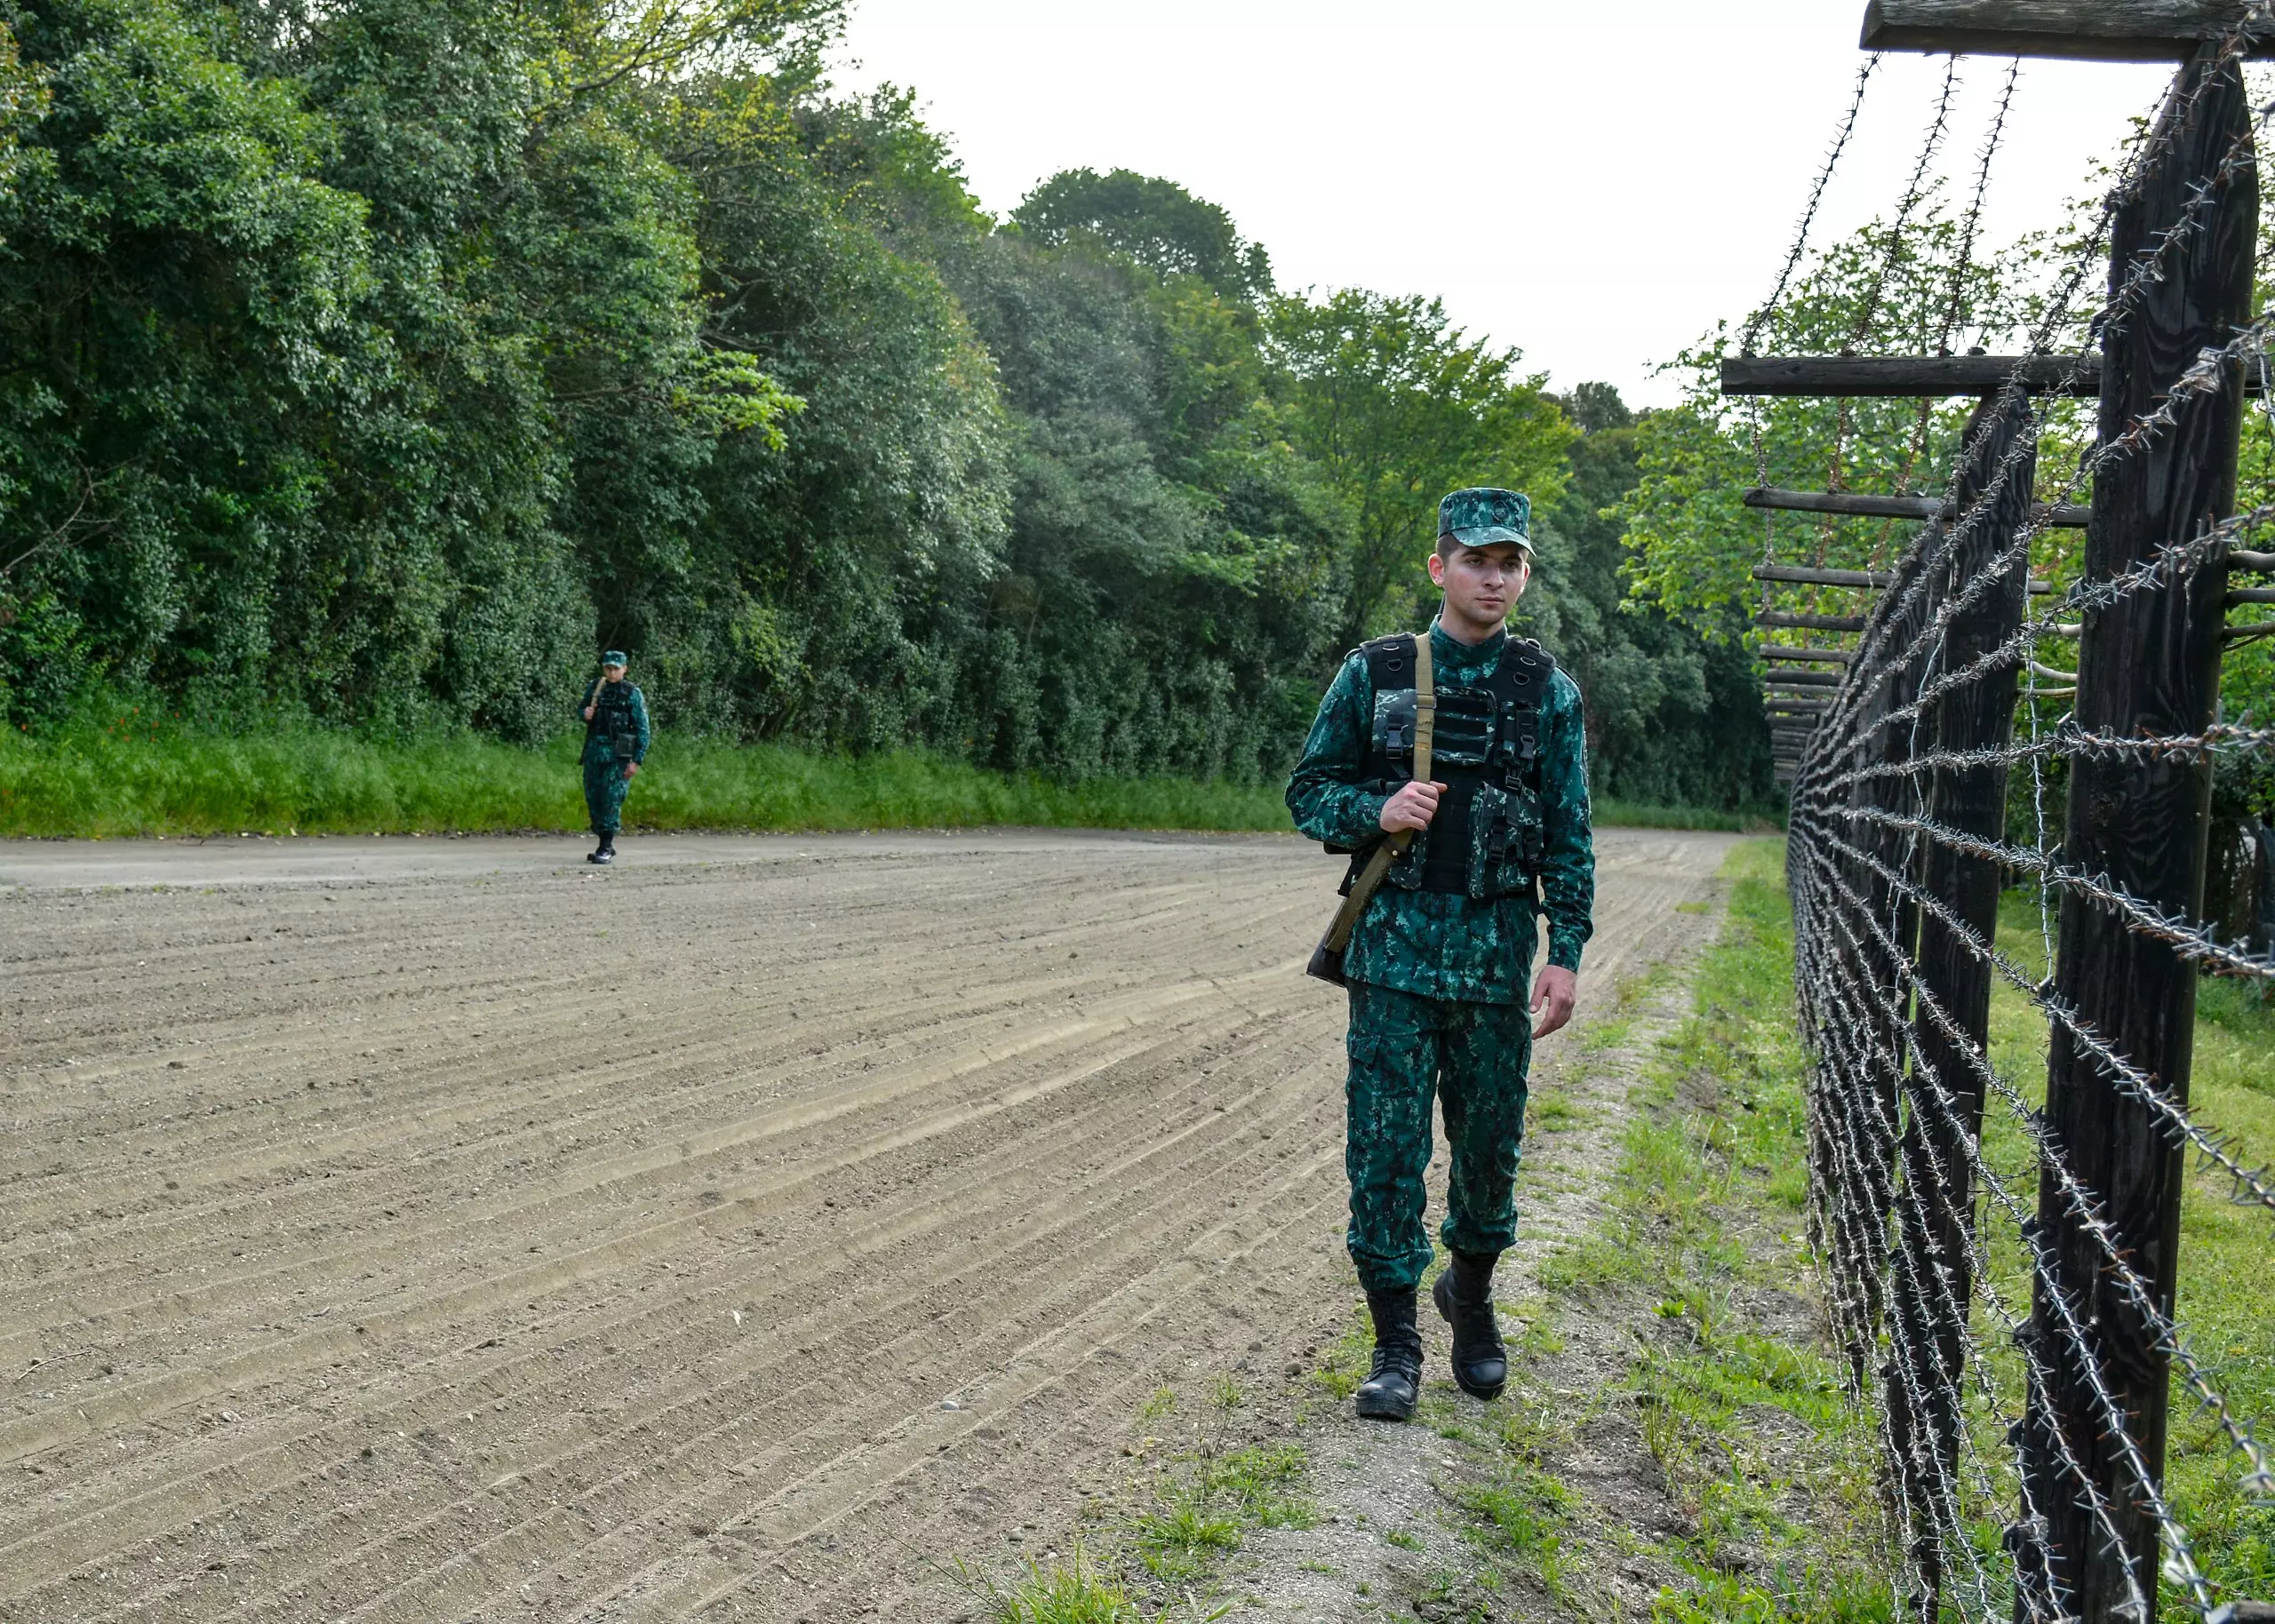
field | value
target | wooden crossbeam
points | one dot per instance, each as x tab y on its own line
1808	577
1791	620
1908	376
1806	678
1837	656
2093	30
2257	563
2251	594
1851	504
1857	506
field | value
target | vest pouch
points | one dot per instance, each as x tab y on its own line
1396	722
1506	842
626	745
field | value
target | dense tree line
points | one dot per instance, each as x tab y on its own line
378	360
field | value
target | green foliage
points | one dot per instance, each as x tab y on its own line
370	364
1401	406
1157	223
1869	294
1674	717
2246	783
22	98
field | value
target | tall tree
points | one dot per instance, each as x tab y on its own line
1401	406
1674	717
1152	221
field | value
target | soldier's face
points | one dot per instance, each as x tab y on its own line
614	673
1482	583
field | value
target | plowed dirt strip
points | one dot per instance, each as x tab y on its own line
429	1230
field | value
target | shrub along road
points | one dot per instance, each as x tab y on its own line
437	1230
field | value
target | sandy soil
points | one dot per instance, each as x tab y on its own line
397	1230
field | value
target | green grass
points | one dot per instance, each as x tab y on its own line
1213	1494
1704	1236
131	771
1072	1592
2223	1259
1716	1184
132	775
1635	815
1163	1560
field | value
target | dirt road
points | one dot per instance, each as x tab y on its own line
407	1230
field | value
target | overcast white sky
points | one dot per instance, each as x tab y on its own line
1595	183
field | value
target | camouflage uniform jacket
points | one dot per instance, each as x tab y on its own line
1440	945
630	708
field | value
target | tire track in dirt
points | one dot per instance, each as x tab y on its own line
651	1423
544	1244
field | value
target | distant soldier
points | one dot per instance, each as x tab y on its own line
1437	963
616	742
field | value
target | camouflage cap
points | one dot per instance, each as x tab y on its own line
614	656
1485	517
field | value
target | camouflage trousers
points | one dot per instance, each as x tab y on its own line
604	787
1472	1057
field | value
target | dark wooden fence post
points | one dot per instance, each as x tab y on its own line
2147	665
1928	1317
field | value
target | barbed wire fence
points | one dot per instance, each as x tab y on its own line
2020	1345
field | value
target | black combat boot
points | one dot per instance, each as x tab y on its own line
1395	1377
605	852
1464	1294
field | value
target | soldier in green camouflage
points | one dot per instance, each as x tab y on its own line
616	742
1437	965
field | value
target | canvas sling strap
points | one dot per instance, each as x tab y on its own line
1327	962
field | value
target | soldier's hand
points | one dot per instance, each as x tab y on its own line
1412	808
588	713
1558	989
630	767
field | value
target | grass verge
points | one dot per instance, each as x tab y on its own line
1678	1334
1741	1406
1637	815
2221	1303
132	776
136	772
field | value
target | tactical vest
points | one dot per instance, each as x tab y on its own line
1486	840
612	720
